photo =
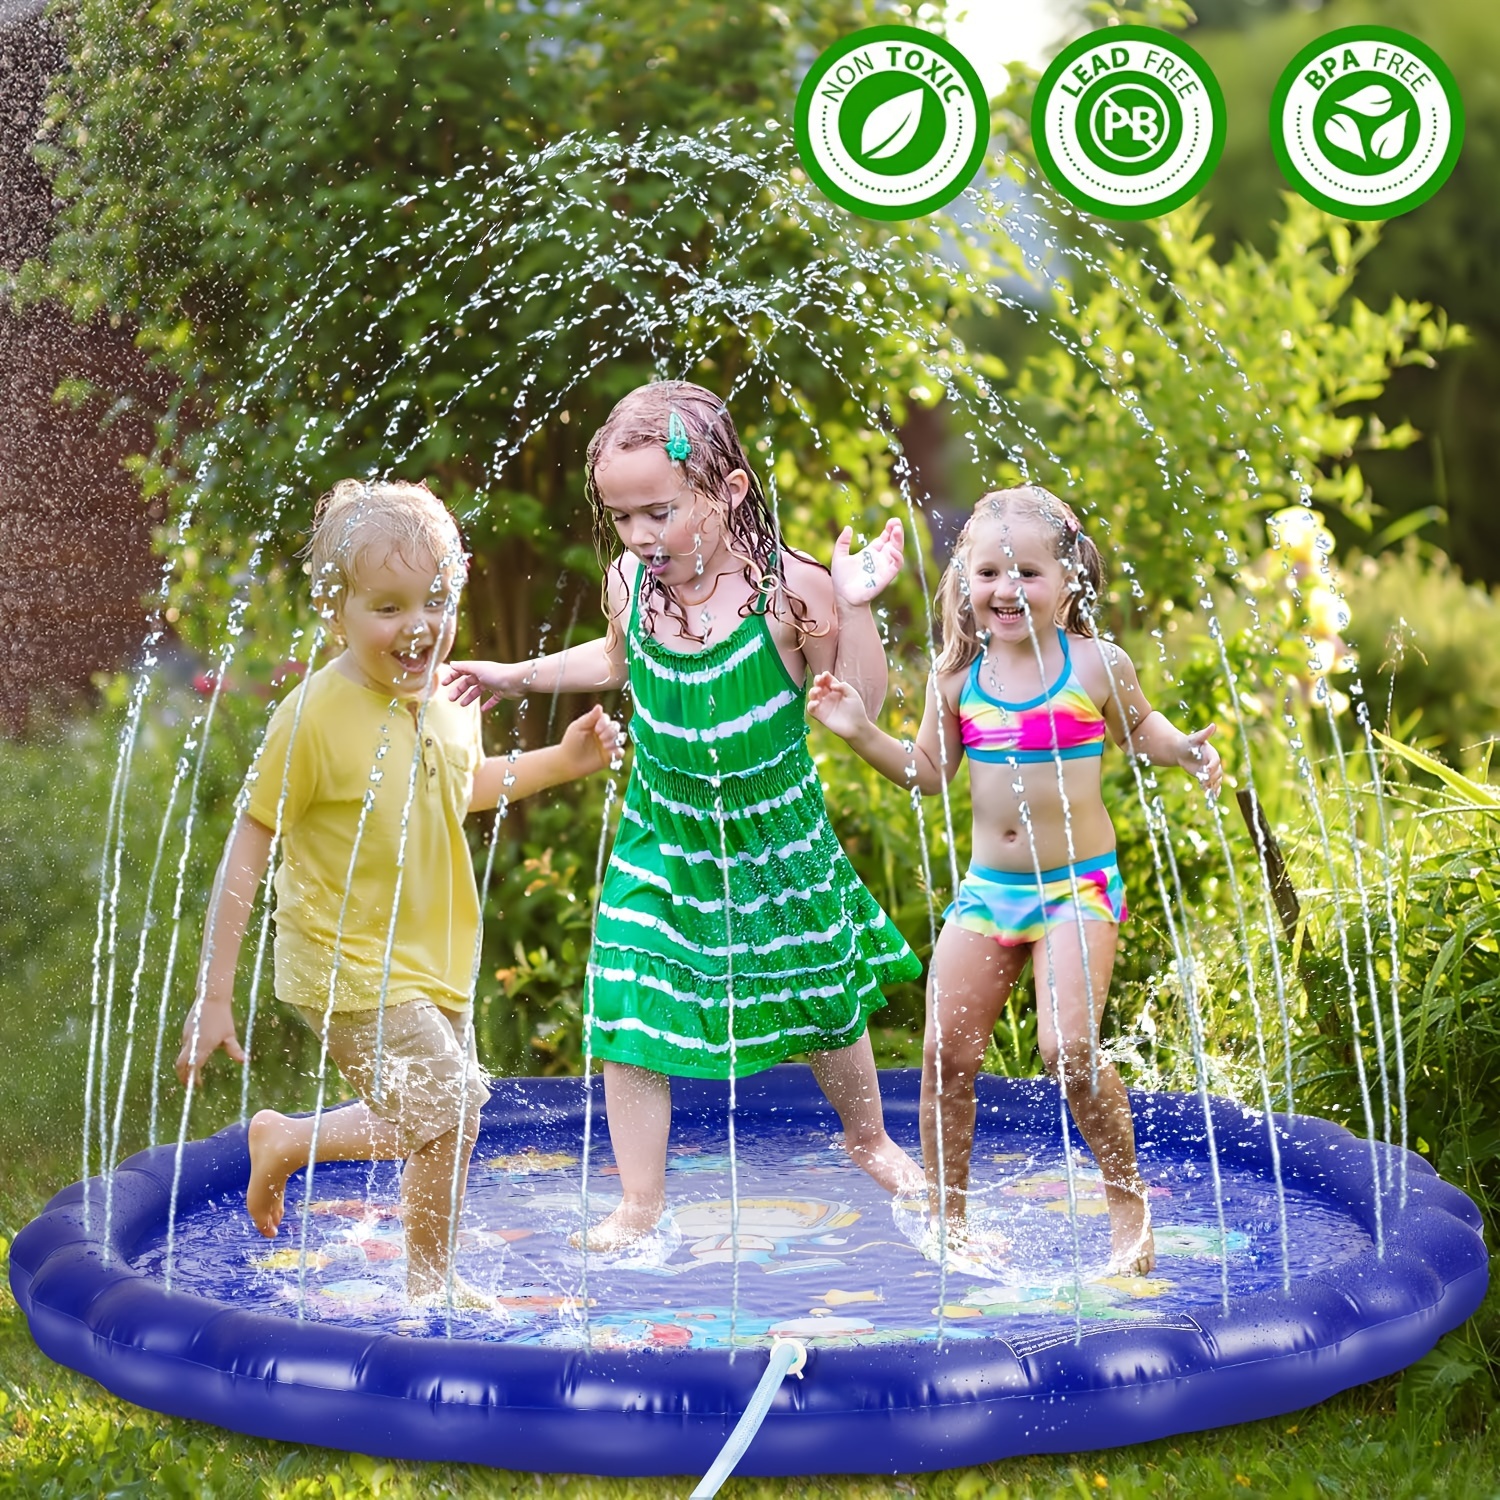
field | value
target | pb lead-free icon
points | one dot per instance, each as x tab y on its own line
892	122
1367	122
1128	122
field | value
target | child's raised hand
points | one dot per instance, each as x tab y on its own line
1201	761
836	706
858	577
593	741
203	1034
491	680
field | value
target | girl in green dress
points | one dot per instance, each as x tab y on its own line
732	931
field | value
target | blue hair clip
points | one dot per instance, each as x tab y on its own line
677	445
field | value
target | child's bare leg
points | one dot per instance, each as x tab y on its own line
970	978
280	1146
1096	1095
429	1207
638	1103
849	1079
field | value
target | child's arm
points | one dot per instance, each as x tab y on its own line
852	651
210	1021
588	744
589	668
932	761
1144	731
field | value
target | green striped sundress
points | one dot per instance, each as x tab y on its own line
726	880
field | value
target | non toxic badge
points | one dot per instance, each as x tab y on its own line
1128	122
1367	122
892	122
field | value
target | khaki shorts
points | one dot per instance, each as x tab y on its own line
428	1078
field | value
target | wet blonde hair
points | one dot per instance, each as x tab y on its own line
1080	558
642	419
357	516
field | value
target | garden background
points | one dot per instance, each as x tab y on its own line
202	164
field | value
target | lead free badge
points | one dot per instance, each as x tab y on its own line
1128	122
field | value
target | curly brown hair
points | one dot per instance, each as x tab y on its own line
641	419
1079	556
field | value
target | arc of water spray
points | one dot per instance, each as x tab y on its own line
107	901
914	528
148	921
106	915
268	885
1372	987
202	729
588	1047
366	802
734	1180
1363	716
1243	457
1305	771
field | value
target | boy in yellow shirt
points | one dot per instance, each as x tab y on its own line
365	776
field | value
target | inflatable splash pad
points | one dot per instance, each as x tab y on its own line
641	1364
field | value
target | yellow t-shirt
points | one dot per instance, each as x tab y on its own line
348	744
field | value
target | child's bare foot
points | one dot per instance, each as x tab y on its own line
952	1205
952	1235
628	1225
425	1296
1132	1249
888	1164
273	1158
965	1246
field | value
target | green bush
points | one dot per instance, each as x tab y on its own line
1429	650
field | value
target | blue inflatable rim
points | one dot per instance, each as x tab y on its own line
882	1410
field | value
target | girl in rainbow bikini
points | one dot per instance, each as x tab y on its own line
1028	691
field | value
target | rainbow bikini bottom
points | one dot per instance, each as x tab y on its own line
1015	908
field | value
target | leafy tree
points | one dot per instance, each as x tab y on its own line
445	241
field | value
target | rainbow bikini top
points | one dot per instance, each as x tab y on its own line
1016	733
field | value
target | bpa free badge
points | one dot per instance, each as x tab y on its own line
892	122
1367	122
1128	122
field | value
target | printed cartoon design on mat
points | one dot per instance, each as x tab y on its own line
1050	1189
769	1229
530	1161
692	1160
1127	1297
1201	1241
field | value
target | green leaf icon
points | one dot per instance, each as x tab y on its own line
1371	101
1390	139
1344	133
889	127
